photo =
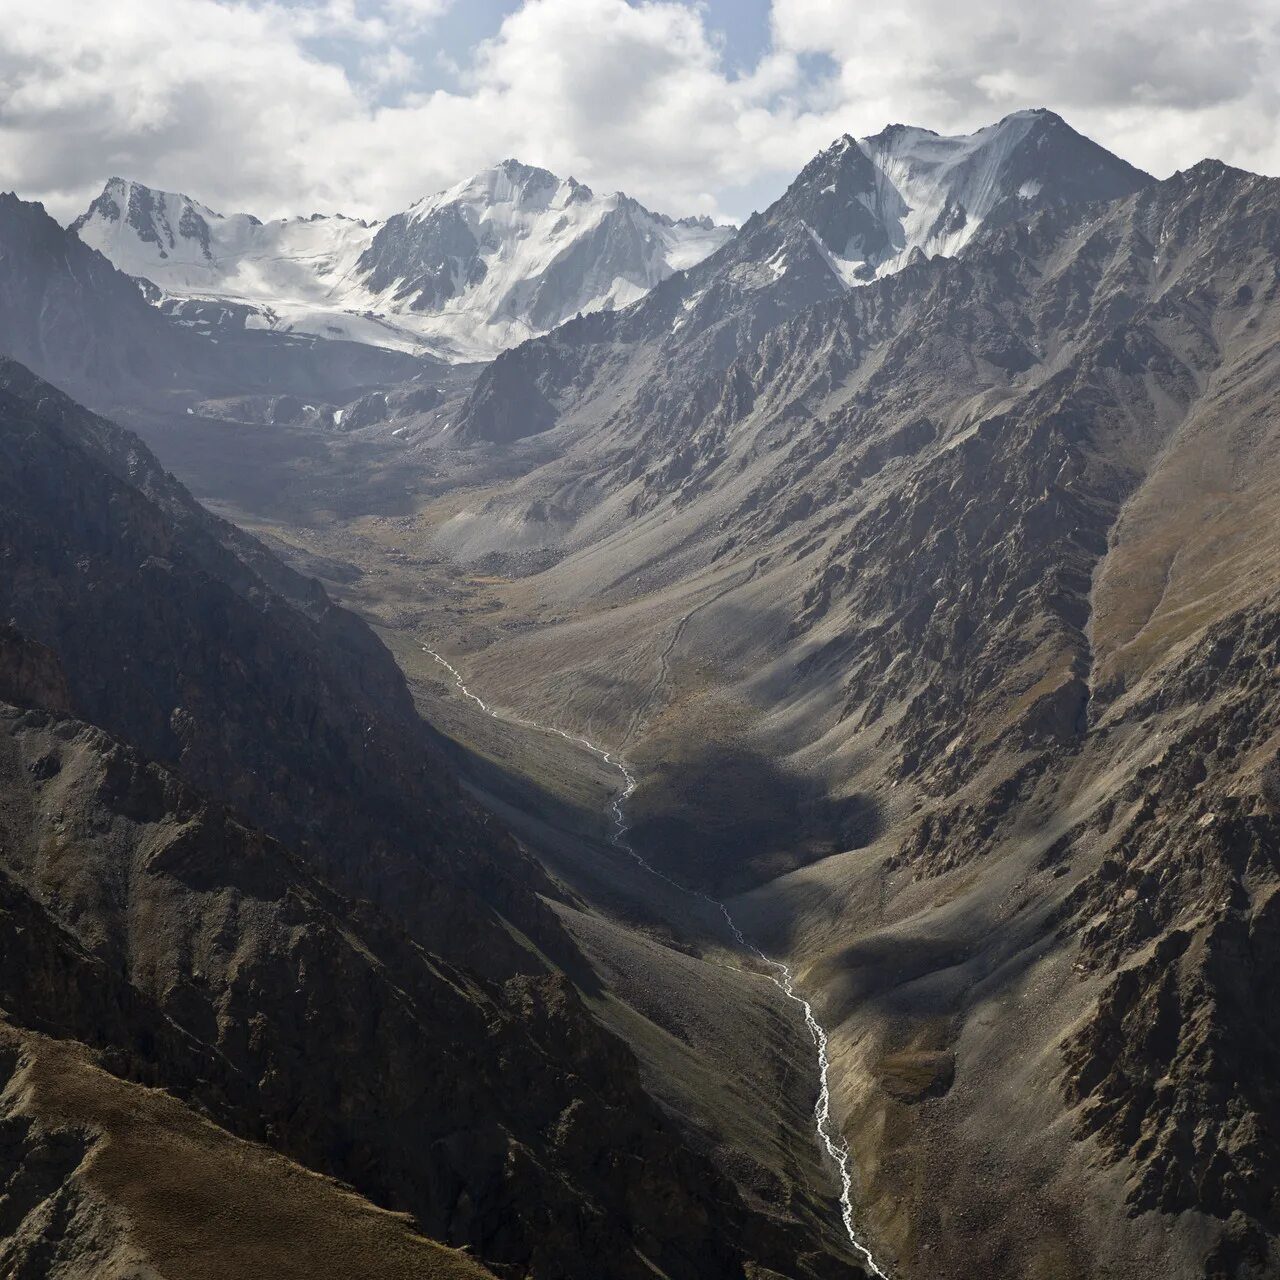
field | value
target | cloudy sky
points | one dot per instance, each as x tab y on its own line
291	106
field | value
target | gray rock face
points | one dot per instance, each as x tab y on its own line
427	265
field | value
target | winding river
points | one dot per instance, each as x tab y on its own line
777	972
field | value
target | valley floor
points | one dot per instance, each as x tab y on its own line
947	997
721	1043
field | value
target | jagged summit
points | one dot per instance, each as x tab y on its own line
510	182
890	130
1211	167
874	201
139	224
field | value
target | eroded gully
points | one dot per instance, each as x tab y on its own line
777	972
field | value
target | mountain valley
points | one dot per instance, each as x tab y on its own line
914	548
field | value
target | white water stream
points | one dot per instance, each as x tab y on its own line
780	975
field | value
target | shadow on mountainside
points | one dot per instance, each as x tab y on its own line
723	818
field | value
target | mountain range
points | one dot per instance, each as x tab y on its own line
897	576
503	256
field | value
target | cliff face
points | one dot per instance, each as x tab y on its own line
235	865
1173	1071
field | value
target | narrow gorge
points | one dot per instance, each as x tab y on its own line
775	970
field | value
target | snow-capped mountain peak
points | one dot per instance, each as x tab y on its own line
187	249
287	274
142	224
499	257
515	250
875	203
507	184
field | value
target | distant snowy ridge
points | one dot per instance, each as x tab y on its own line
515	251
292	274
502	257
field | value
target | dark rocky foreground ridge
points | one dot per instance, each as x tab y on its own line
235	866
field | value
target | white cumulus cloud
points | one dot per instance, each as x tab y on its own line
277	106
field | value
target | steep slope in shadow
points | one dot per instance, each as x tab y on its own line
432	1049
